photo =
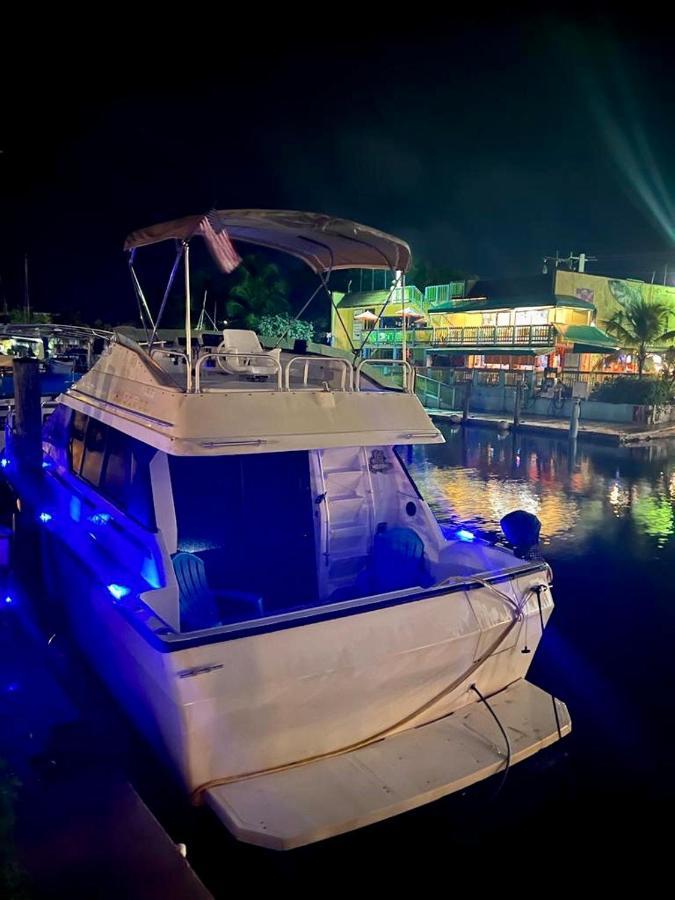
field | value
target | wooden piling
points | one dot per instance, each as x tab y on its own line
517	403
466	401
574	419
27	431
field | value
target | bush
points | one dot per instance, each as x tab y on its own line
647	391
275	326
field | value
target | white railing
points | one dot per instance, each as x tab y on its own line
303	372
178	356
269	362
327	366
407	371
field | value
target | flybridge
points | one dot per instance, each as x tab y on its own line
306	402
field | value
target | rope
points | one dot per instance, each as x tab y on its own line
503	731
386	732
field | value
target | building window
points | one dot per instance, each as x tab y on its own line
532	317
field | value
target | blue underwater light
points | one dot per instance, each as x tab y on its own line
464	535
118	590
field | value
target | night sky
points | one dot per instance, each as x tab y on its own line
486	144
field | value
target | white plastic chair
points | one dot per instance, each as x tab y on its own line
233	355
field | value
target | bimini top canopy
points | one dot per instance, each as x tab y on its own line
321	241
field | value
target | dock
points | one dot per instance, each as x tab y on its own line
616	434
81	829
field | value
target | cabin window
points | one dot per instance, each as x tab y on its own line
114	463
78	426
126	477
94	449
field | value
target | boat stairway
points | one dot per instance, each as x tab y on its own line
349	513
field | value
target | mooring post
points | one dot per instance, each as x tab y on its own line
517	404
574	418
26	457
466	400
27	431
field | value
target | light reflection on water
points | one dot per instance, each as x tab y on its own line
597	492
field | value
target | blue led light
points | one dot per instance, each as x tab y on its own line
100	518
118	590
75	508
12	687
45	517
149	572
464	535
4	462
9	600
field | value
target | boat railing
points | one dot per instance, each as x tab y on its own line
266	361
178	359
318	373
406	370
317	370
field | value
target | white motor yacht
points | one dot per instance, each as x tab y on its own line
249	565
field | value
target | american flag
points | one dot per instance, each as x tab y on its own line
217	240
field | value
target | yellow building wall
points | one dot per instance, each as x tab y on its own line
610	294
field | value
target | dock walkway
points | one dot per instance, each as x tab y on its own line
81	831
601	432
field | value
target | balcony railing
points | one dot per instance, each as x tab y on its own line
484	335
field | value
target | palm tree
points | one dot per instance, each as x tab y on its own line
640	325
261	291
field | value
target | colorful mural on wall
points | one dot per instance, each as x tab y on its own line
611	294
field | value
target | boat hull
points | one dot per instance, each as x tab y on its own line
247	704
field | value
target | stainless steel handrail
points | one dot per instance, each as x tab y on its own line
275	367
408	377
347	375
175	354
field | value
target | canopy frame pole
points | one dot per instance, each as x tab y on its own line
400	278
188	323
143	308
323	282
379	316
169	285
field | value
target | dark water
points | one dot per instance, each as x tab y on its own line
603	796
594	802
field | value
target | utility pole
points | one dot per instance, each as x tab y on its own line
569	261
26	291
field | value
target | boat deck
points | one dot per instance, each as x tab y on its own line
286	372
317	800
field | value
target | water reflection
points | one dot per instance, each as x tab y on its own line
578	493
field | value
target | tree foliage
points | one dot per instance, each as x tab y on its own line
641	325
273	327
260	291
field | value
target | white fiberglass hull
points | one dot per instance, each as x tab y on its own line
266	700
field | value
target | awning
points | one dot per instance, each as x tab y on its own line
587	338
319	799
323	242
492	304
489	350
